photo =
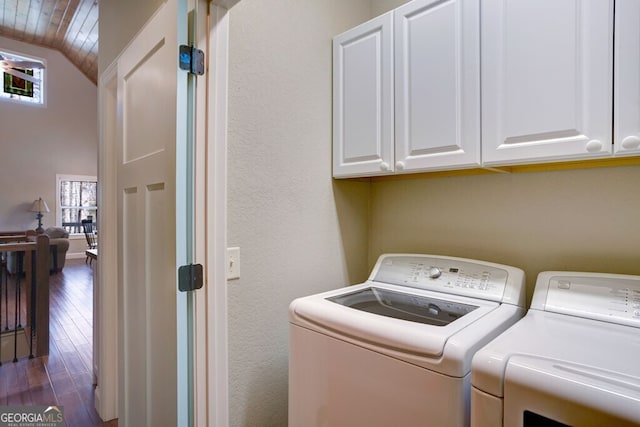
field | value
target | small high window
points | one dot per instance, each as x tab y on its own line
22	78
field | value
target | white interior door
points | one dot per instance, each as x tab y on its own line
154	379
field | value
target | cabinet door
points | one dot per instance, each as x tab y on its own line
363	99
437	85
546	80
626	110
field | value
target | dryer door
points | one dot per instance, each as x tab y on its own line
546	392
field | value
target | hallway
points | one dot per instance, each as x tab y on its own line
63	378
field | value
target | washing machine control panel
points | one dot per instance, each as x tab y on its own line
611	298
447	274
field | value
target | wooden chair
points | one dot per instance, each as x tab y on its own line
90	234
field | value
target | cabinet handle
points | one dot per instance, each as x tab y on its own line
631	142
399	165
384	166
594	145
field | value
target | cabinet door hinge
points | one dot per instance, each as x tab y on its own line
191	59
190	277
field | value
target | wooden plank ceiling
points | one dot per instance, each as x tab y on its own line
69	26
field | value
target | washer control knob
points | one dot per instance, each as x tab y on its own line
434	272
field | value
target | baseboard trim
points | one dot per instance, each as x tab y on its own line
76	255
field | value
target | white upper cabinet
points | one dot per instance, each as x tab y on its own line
437	85
626	131
547	77
452	84
363	99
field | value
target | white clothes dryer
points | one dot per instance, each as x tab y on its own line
573	360
397	349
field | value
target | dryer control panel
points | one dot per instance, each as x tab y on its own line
612	298
459	276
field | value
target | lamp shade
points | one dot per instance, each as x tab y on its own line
39	206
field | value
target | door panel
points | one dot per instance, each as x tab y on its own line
161	300
133	305
142	135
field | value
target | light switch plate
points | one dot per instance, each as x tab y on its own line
233	263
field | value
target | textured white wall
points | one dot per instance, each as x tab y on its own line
584	220
36	143
378	7
299	233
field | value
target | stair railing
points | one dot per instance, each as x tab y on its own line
28	294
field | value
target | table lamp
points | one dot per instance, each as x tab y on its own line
39	206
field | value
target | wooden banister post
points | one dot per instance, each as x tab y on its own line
28	267
42	294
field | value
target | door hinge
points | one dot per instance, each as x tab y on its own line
191	59
190	277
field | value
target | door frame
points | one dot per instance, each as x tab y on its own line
210	308
106	391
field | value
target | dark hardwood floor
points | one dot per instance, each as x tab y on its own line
64	378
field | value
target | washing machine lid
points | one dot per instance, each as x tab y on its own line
393	317
404	306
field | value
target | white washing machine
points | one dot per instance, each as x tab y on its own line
397	349
573	360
